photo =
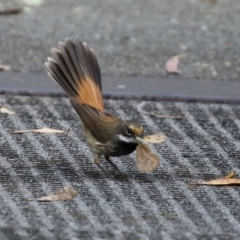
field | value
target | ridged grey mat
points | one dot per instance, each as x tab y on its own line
203	145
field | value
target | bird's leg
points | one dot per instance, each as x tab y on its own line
97	162
116	167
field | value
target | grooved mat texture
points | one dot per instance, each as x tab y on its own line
202	145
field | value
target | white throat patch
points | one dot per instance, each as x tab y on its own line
126	139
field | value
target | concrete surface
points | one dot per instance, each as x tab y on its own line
129	37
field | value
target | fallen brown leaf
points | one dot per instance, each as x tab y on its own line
160	115
171	65
66	193
5	110
146	160
41	130
157	138
11	11
227	180
5	67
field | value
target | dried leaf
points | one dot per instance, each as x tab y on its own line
5	110
160	115
66	193
11	11
41	130
146	160
171	65
5	67
157	138
121	86
227	180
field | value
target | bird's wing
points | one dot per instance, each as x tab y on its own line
102	126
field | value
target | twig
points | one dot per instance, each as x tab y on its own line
161	115
11	11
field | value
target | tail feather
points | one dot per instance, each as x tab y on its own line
70	54
61	63
89	63
96	68
75	67
55	72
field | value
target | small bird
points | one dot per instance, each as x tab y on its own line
75	68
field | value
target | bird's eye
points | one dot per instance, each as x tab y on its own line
129	131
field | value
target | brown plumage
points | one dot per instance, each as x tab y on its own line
75	67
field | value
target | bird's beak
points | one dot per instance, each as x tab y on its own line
140	140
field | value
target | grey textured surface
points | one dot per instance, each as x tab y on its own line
203	145
128	87
129	37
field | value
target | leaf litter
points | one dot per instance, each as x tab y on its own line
161	115
10	11
6	110
64	194
41	130
171	65
225	181
5	67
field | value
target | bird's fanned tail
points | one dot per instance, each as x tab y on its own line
74	66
